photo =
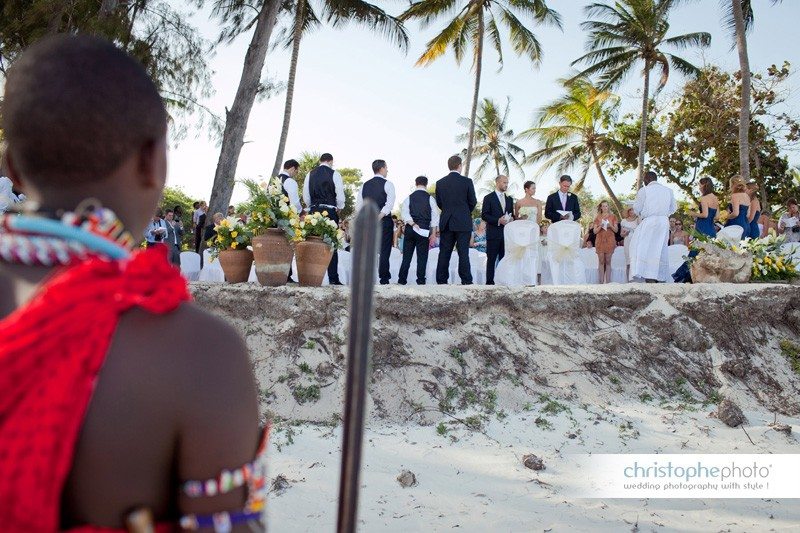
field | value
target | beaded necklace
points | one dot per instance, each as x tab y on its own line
90	231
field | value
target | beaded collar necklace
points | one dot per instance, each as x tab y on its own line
50	239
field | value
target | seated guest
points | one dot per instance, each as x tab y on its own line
789	223
210	230
589	238
116	392
478	239
679	236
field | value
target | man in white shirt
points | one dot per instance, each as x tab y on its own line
289	184
156	231
323	191
381	191
649	256
421	216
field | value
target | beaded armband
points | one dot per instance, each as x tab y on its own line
253	475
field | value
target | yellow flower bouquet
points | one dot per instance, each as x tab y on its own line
232	234
319	225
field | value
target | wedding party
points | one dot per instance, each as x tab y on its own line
356	266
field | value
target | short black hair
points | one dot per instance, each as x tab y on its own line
378	164
650	176
196	205
168	211
291	163
564	178
421	181
76	107
325	158
454	162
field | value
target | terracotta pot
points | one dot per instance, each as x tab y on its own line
236	265
313	258
273	256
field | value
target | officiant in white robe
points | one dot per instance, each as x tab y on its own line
654	205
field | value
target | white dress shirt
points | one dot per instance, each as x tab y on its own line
655	200
150	233
291	191
388	188
405	210
338	185
563	197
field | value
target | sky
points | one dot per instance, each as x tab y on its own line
360	98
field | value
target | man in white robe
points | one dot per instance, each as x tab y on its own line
654	205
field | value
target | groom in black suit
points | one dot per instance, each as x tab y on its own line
455	196
562	200
496	205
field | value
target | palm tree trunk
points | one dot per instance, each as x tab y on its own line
236	119
643	130
478	65
604	181
287	110
744	109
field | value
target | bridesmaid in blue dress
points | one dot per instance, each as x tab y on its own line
709	206
739	206
755	210
704	224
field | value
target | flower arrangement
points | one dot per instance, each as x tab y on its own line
269	208
232	234
319	225
769	262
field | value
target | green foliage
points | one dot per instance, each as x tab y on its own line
441	429
305	368
696	135
543	423
154	32
646	397
306	394
791	350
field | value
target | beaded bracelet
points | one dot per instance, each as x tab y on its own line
225	482
221	522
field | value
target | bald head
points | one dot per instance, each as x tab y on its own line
75	108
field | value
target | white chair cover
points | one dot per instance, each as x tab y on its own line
544	265
345	266
591	264
212	271
190	265
731	234
252	278
564	244
519	266
792	250
477	263
430	269
619	266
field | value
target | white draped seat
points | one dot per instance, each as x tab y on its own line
792	250
544	265
731	234
520	263
564	244
430	269
190	265
477	263
619	266
591	264
211	271
344	269
677	254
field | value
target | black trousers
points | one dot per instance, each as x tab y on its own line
333	266
449	240
414	242
387	235
198	234
495	250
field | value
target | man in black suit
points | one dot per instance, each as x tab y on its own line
497	211
562	200
455	196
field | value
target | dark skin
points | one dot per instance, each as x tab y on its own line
176	399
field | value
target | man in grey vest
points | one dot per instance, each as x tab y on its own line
381	191
421	215
323	190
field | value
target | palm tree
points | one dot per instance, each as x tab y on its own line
626	33
739	18
494	142
571	131
336	12
473	21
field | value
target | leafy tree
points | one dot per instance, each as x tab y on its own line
337	13
629	33
572	131
494	140
697	134
474	21
155	32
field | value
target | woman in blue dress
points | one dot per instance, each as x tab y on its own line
478	240
704	224
755	210
739	206
709	206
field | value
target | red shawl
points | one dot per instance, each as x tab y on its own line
51	351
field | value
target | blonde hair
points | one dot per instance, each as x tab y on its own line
737	184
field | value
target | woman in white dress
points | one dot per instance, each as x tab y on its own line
528	201
628	224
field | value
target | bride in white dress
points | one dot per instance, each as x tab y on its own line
519	266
